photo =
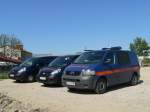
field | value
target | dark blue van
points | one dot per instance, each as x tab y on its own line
53	73
99	69
27	71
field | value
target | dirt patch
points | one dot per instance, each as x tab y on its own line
34	97
8	104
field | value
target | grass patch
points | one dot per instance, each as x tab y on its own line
3	75
146	62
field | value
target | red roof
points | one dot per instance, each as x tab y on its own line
7	59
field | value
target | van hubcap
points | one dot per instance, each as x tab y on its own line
101	86
135	80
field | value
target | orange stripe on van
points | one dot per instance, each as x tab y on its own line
108	72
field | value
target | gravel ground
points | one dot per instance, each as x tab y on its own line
8	104
121	98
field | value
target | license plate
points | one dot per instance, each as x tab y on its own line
42	78
11	75
70	83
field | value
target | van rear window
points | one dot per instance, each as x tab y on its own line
123	58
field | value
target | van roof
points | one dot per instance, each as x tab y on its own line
110	49
69	55
43	56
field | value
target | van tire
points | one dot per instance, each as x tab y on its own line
18	81
31	78
101	86
46	85
134	80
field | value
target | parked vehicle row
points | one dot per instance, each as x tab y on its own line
28	70
94	69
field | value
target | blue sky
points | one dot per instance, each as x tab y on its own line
69	26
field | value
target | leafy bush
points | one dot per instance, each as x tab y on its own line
4	75
4	70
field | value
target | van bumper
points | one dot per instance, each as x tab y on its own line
49	81
78	82
18	77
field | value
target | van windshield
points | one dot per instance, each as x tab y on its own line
29	62
60	62
90	57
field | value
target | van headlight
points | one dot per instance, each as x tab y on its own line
22	70
56	71
88	72
52	75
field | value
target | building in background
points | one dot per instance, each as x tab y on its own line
15	53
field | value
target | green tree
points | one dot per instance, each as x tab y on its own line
140	46
10	40
4	40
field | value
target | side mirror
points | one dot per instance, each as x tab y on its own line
107	61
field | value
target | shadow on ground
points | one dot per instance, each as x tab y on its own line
22	82
52	86
113	88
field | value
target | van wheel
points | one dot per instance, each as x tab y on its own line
46	85
101	86
134	80
30	78
18	81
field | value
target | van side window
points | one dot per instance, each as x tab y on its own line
123	58
110	58
40	62
46	60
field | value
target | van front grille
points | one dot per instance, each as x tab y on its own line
73	73
74	80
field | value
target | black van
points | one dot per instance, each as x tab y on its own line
28	70
53	73
99	69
